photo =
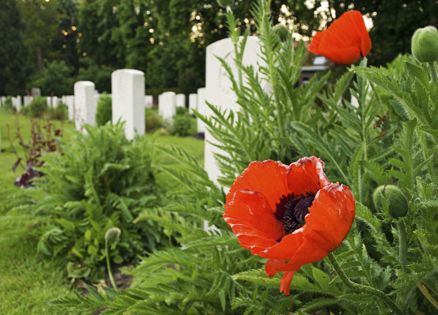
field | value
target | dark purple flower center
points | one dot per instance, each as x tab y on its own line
292	209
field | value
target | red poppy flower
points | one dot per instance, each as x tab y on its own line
292	215
345	41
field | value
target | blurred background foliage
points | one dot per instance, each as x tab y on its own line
87	39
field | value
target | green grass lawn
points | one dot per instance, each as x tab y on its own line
29	281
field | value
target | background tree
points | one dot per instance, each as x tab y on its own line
41	22
56	78
167	38
12	71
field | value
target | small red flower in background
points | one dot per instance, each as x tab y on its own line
292	215
345	41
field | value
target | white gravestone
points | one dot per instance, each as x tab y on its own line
180	100
69	100
85	104
27	100
16	101
55	101
148	101
167	105
201	107
193	102
219	90
128	90
35	92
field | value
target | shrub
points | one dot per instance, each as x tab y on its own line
54	79
182	124
100	181
97	73
59	113
153	120
37	108
104	110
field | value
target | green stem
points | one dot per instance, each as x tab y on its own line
363	90
423	289
362	288
402	249
108	266
433	71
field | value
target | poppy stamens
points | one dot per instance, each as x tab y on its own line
292	209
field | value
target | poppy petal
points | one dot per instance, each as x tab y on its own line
314	44
286	248
285	282
345	41
344	56
252	221
306	175
331	214
311	250
267	178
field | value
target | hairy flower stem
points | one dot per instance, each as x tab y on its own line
423	289
108	266
362	288
433	71
363	91
402	249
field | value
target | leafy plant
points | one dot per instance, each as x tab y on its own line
54	79
58	113
182	123
44	139
100	181
104	110
153	120
37	108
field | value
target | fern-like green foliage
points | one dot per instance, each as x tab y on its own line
372	127
104	110
100	180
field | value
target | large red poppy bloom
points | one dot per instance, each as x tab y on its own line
291	214
345	41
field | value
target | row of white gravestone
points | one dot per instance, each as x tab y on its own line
128	101
168	102
18	102
128	97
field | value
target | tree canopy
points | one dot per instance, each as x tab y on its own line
165	38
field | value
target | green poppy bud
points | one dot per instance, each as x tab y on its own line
282	32
112	235
391	198
225	3
424	44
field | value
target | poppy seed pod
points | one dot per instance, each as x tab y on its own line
225	3
424	44
282	32
392	198
112	235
